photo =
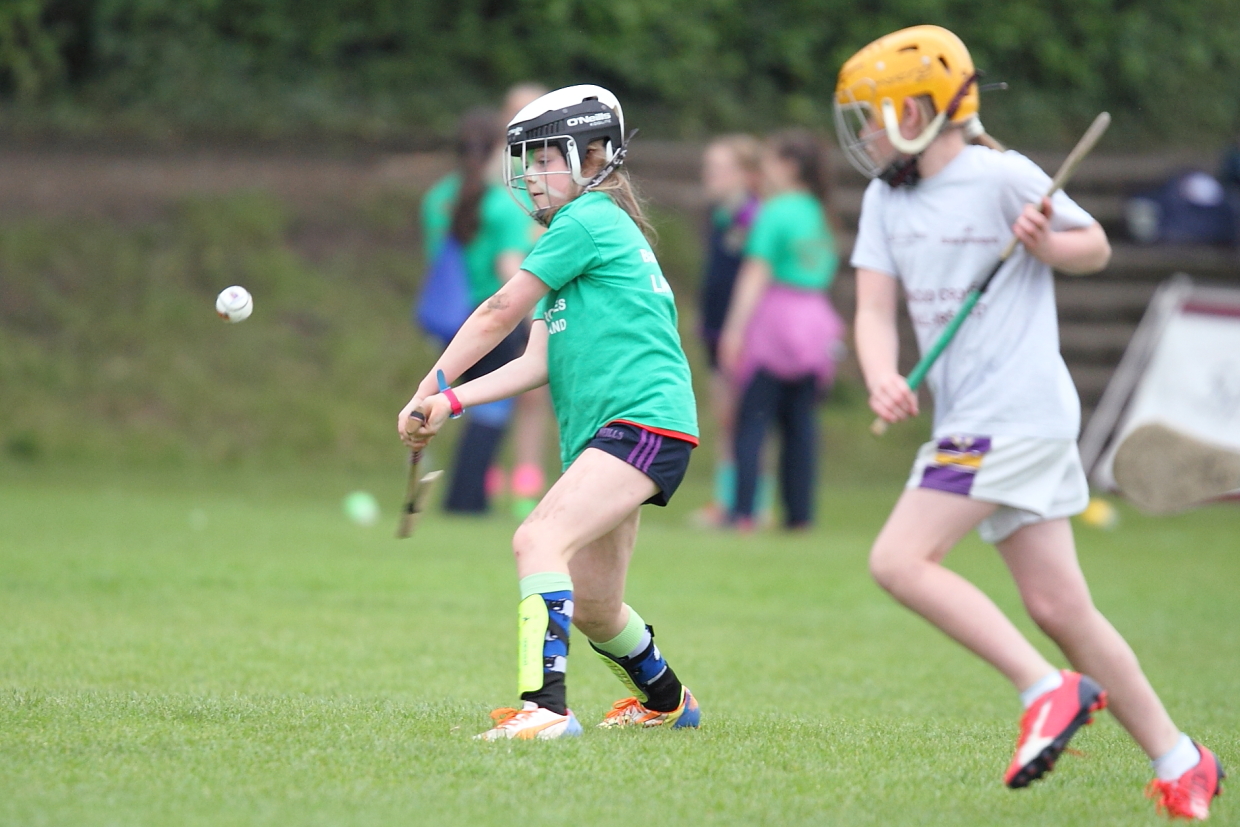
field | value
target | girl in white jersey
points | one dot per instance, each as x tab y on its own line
1003	458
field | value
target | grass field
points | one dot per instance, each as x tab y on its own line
224	648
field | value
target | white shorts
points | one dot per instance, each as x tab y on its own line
1030	479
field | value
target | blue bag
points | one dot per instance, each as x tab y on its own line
1191	208
443	305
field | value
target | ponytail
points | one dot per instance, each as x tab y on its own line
975	134
619	187
477	136
983	139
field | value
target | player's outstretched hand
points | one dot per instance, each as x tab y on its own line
1033	228
891	398
436	408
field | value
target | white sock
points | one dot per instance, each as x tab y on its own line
1176	761
1052	681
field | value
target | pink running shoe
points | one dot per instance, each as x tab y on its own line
1048	725
1189	796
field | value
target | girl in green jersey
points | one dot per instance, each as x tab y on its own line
604	338
473	212
781	334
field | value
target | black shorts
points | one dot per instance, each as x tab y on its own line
662	458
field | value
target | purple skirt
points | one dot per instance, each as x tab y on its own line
794	333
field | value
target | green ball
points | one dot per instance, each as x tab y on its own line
361	508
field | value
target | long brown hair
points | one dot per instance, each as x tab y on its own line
619	188
477	135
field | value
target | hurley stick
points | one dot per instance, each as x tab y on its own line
879	426
415	489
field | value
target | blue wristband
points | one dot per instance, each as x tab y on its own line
457	410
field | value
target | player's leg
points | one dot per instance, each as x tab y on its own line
475	452
798	454
1043	561
723	405
754	413
906	561
529	433
923	527
622	639
597	493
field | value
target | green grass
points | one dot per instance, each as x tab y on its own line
224	648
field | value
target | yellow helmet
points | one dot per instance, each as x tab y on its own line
921	61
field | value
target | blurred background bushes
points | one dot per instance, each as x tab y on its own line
398	71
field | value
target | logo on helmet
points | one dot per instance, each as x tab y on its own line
589	120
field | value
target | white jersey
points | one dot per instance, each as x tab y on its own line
1002	374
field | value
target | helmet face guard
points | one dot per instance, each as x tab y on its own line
920	63
569	128
859	129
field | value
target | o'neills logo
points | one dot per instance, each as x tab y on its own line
516	130
587	120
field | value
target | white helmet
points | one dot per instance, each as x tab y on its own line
568	118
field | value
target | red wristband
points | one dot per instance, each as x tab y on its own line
457	410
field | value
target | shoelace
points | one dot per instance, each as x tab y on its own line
627	706
1170	798
504	714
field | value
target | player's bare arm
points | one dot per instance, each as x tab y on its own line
525	373
486	327
878	346
751	282
1076	252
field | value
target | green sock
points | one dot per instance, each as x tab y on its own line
725	485
764	497
544	581
630	637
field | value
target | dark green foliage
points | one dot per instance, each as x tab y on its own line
390	71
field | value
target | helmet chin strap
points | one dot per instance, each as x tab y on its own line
903	172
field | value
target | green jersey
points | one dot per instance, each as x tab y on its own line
791	235
503	227
613	351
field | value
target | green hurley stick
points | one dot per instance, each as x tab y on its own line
879	426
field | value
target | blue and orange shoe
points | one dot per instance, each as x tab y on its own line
1189	796
530	722
1048	725
630	712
